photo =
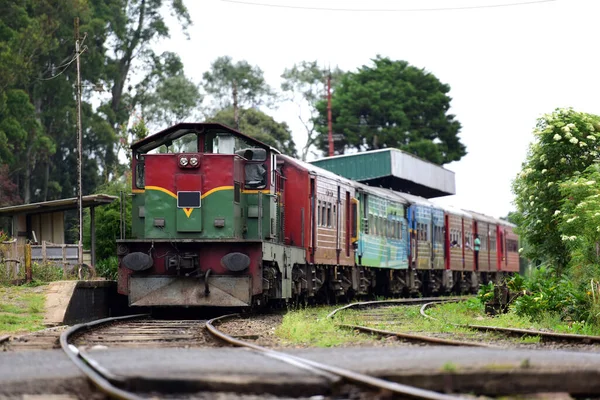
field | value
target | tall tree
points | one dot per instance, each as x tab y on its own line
166	96
260	126
393	104
565	145
305	84
237	85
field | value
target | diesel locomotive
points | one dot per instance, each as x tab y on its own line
221	219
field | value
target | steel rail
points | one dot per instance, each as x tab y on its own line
100	377
519	331
356	377
406	336
393	301
416	338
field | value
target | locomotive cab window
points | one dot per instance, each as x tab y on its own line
255	168
140	175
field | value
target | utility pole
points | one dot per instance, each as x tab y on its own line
329	123
79	146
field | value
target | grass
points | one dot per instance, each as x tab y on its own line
311	327
21	309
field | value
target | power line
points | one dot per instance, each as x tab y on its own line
66	66
524	3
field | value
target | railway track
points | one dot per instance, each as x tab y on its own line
140	331
543	335
379	316
401	335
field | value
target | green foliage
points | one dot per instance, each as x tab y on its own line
393	104
545	295
565	146
486	292
108	218
108	268
579	222
237	85
260	126
37	91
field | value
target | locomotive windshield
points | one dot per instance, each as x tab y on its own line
187	143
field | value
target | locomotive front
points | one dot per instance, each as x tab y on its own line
204	201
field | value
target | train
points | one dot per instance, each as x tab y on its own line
220	219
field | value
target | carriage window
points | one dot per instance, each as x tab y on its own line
354	219
323	214
334	216
319	213
512	246
329	215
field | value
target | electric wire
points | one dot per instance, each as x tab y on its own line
66	66
523	3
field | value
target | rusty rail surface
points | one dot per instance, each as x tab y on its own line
569	337
101	378
324	369
421	300
416	338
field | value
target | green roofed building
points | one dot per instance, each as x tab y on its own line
393	169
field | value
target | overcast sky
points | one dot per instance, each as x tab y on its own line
506	65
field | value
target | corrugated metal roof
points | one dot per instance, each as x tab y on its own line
91	200
394	169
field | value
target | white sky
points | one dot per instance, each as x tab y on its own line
506	65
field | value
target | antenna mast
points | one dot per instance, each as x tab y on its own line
329	123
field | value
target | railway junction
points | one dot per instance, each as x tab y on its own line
204	357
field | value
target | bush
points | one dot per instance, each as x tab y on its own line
108	268
544	292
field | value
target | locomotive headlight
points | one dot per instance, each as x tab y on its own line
194	161
183	161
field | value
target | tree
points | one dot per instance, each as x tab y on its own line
393	104
8	190
305	83
166	96
108	219
565	145
237	85
260	126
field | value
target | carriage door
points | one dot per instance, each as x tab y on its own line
337	213
313	216
365	228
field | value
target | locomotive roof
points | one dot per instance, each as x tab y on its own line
182	128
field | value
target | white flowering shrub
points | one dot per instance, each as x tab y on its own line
566	143
579	222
